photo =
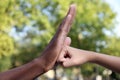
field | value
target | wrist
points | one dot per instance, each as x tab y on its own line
39	62
92	57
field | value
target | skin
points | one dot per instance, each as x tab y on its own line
73	57
49	56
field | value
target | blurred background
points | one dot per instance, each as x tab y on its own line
26	27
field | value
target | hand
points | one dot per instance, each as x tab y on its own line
49	56
72	57
51	53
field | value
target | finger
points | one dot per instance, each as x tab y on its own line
67	62
60	36
73	12
61	56
65	27
69	11
67	41
62	60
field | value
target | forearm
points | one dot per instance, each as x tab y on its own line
110	62
26	72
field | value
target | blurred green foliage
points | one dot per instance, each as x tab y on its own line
37	21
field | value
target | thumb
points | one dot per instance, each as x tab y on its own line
63	52
67	41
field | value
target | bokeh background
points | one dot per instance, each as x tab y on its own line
26	27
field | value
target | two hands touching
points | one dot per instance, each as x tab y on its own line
49	56
59	50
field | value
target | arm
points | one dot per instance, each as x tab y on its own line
75	57
49	56
25	72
